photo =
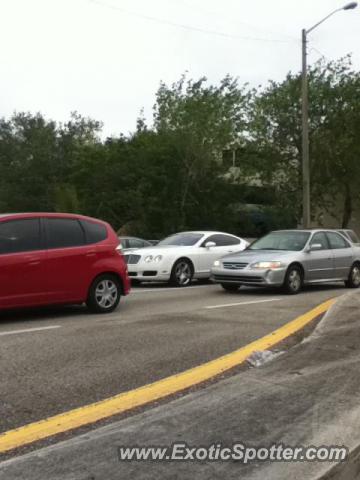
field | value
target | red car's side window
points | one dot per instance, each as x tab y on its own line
20	236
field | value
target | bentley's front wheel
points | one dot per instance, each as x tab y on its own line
182	273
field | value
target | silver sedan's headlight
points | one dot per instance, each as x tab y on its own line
269	265
217	263
158	258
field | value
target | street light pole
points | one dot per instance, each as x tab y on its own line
305	136
305	118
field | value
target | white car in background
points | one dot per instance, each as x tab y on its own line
182	257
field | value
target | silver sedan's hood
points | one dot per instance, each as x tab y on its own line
250	256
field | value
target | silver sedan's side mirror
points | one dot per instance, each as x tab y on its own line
316	246
210	245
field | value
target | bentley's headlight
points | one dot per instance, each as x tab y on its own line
270	265
158	258
217	263
148	259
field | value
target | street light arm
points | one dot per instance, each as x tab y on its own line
323	20
348	6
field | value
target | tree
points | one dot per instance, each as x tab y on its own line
200	122
336	149
38	158
28	162
177	174
275	129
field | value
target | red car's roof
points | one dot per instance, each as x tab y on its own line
46	214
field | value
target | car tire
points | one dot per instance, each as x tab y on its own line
293	280
230	287
353	280
181	273
104	294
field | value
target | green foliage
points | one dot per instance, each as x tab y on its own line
66	198
334	116
216	157
200	121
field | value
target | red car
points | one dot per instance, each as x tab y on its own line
56	258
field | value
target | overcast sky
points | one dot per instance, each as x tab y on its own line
106	58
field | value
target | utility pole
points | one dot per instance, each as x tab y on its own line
305	118
305	136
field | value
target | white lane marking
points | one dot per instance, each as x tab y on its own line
29	330
242	303
174	289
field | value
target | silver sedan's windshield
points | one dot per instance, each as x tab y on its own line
288	241
182	239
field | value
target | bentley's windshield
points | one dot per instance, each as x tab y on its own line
182	239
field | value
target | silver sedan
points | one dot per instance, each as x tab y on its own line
290	259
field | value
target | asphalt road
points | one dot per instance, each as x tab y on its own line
309	396
54	360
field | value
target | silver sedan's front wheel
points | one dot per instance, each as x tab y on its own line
182	273
354	277
293	280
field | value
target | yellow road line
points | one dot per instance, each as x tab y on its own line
126	401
